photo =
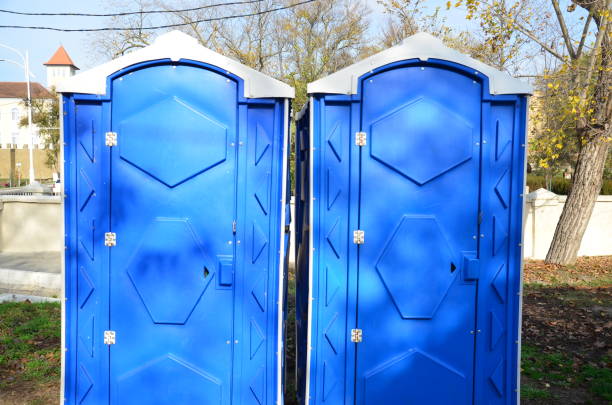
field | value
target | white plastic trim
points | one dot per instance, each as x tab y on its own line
310	253
63	255
522	264
301	113
281	266
175	46
419	46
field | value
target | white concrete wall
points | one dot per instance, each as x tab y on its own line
30	224
543	210
33	224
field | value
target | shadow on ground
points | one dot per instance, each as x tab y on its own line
566	359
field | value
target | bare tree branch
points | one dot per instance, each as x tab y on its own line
564	31
593	57
535	39
585	32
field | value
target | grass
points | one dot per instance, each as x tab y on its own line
29	343
552	368
566	295
560	280
552	373
528	392
558	370
599	380
566	325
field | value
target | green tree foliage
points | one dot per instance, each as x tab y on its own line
408	17
576	38
321	38
45	116
297	45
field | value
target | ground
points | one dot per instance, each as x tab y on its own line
29	353
49	262
567	338
567	333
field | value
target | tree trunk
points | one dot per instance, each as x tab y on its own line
580	202
594	132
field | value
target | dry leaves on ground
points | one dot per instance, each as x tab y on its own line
588	271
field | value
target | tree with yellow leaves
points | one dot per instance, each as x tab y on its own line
578	38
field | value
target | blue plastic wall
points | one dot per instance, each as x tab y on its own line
193	301
438	191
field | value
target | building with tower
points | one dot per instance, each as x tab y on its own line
59	67
14	138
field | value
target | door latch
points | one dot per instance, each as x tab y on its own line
356	335
471	267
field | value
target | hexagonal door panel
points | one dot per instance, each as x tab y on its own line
409	376
170	270
417	266
180	141
156	372
421	140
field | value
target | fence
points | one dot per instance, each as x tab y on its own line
543	210
33	224
32	190
30	223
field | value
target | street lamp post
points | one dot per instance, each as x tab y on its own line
26	68
31	135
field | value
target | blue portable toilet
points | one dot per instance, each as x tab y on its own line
175	200
409	216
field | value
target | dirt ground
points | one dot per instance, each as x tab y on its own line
567	333
567	337
567	340
31	393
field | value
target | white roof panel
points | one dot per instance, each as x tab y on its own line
176	45
422	46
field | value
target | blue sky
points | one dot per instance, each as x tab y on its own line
42	44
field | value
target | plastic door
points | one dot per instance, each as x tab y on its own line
419	211
172	209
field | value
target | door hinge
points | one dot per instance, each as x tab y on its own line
110	239
234	227
109	337
358	237
361	138
356	335
111	139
